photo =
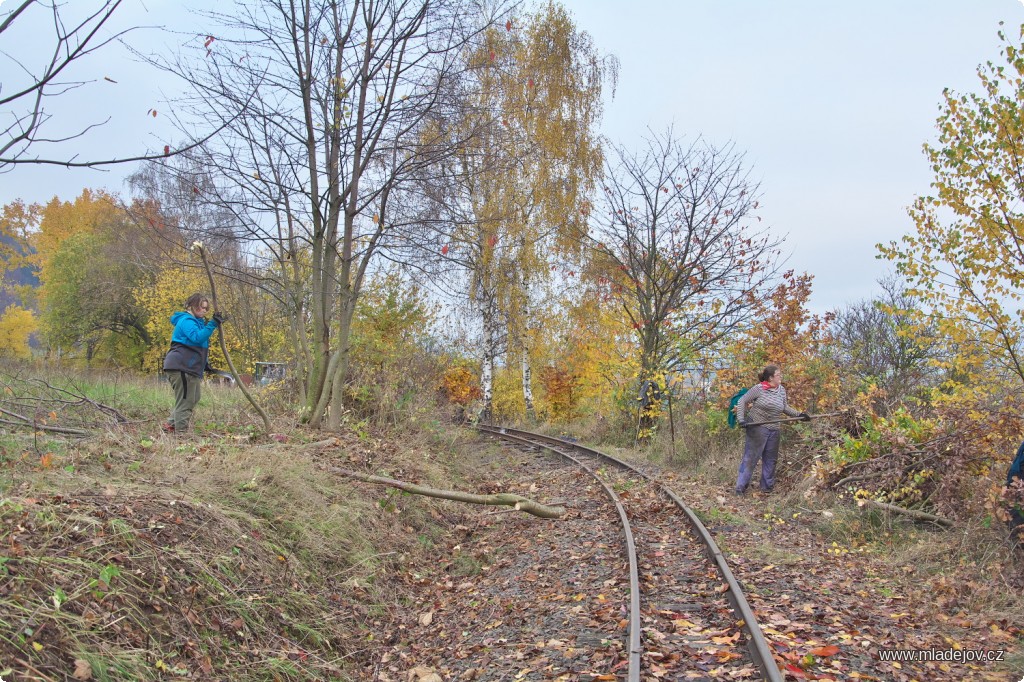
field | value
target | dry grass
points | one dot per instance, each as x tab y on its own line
216	556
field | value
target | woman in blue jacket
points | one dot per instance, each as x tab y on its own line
1016	471
186	360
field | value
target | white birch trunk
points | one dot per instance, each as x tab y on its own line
487	364
527	372
527	384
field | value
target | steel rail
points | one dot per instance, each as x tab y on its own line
757	645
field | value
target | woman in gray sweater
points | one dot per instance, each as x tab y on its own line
764	402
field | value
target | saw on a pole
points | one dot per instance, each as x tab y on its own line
797	419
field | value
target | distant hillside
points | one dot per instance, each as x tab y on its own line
24	276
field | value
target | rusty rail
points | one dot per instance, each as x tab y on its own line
757	645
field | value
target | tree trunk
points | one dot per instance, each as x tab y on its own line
487	363
528	387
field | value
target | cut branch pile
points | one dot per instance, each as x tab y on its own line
37	404
937	467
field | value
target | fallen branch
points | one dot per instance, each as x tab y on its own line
862	477
499	499
879	458
107	409
912	513
25	422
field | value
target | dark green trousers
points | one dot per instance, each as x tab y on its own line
186	395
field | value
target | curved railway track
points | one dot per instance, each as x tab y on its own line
675	594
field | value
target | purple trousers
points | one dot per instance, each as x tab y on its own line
762	444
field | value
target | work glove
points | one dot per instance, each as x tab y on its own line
742	423
804	417
220	318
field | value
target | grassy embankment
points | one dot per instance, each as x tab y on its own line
129	554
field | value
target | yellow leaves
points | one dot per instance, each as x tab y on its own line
16	325
61	220
683	625
966	264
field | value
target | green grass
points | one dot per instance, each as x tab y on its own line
717	516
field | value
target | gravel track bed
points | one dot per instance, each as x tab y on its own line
521	598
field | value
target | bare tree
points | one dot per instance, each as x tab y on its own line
26	90
678	245
877	340
317	161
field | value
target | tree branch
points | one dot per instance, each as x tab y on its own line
519	502
912	513
224	347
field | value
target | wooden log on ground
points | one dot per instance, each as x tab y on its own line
498	499
912	513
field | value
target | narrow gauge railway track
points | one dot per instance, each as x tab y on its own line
677	621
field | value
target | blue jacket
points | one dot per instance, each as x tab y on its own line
1017	468
190	343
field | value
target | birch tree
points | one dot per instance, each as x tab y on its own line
514	198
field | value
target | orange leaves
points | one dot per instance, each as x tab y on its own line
151	112
562	390
461	386
727	639
829	650
444	250
508	25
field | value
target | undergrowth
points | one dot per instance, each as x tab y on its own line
222	555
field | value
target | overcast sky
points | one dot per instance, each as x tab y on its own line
830	102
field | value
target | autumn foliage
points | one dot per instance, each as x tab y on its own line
562	390
785	333
461	386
